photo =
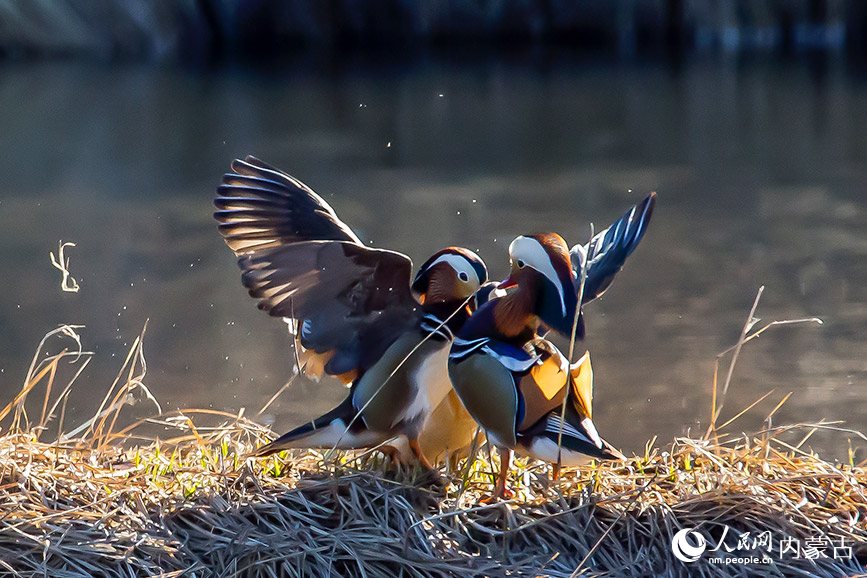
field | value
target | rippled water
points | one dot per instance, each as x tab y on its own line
760	172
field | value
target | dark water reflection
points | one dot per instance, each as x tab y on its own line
761	174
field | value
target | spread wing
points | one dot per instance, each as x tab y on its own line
607	251
300	261
259	206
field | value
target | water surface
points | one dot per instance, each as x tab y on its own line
760	172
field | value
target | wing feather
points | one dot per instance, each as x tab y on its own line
300	261
259	206
608	250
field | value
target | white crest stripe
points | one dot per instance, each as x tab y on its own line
534	254
460	264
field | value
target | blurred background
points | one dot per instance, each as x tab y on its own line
433	123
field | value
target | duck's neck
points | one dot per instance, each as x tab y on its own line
452	314
513	315
508	319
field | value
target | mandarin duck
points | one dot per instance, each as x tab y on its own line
512	381
605	255
358	314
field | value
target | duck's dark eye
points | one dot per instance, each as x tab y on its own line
520	264
463	276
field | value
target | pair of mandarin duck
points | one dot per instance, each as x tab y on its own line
429	358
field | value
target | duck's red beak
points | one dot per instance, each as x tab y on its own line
506	283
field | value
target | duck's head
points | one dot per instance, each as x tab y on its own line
540	266
453	274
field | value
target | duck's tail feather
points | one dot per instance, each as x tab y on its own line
572	443
331	430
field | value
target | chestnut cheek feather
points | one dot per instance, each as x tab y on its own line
442	287
512	313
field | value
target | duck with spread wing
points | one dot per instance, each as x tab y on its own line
359	314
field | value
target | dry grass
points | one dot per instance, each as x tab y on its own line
88	503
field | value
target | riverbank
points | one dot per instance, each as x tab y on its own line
195	506
177	495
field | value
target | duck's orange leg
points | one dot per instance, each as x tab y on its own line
505	464
416	449
393	454
501	492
